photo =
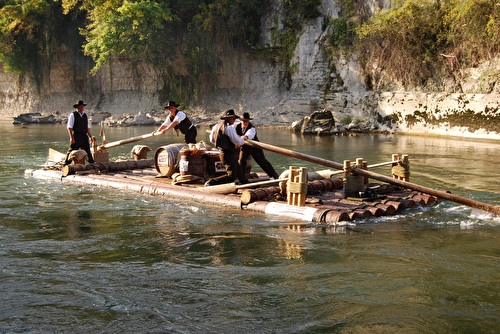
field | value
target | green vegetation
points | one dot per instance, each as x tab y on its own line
488	120
27	31
419	40
216	29
190	33
414	43
296	12
19	26
130	28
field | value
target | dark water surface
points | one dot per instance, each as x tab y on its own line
76	259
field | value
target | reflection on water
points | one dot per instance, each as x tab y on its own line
80	259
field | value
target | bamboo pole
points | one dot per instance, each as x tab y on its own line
294	154
128	140
99	167
301	196
229	188
290	196
328	173
358	171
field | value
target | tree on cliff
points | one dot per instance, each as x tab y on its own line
419	42
133	29
413	43
28	31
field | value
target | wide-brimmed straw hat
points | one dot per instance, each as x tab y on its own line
228	114
171	104
246	117
79	103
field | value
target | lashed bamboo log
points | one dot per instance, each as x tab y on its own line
99	167
229	188
358	171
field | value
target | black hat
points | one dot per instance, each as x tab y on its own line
170	104
229	113
246	116
79	103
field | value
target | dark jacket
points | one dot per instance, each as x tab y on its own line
239	130
182	126
81	123
222	140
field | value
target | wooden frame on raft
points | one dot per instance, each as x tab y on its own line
296	188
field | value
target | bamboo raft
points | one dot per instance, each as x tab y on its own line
316	197
324	197
324	202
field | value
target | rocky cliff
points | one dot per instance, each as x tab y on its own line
247	83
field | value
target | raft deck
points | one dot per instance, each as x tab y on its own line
324	204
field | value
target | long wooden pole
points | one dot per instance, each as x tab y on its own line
438	193
128	140
358	171
328	173
294	154
229	188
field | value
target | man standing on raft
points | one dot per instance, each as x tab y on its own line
246	130
179	122
224	136
79	132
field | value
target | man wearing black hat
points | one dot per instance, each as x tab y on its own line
246	130
179	122
79	132
224	136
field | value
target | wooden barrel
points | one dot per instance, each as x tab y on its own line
167	159
192	164
213	164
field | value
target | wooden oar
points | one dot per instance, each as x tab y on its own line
128	140
229	188
294	154
358	171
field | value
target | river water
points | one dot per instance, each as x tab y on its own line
76	259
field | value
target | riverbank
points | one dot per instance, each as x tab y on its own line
417	130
